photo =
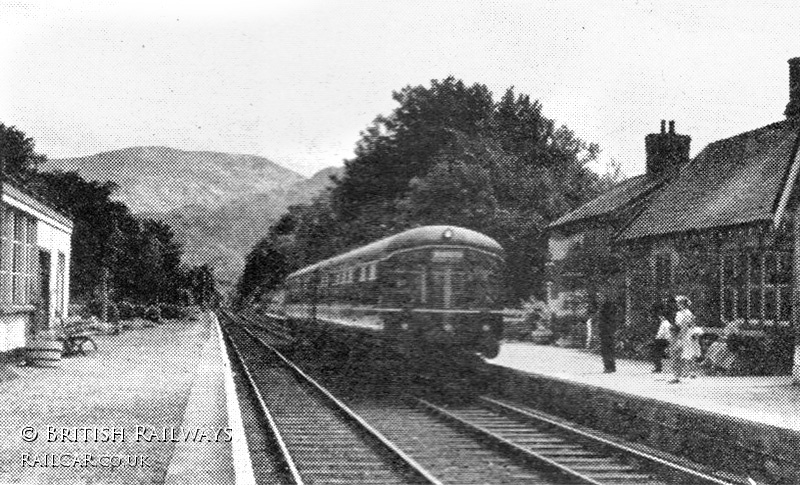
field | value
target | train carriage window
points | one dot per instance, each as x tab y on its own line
373	271
362	273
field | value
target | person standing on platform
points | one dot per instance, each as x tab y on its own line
607	315
663	339
685	322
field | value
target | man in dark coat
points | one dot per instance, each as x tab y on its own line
607	316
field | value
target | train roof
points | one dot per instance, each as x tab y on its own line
420	236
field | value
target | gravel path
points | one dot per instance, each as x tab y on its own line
141	378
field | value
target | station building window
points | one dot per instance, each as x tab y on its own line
756	288
18	257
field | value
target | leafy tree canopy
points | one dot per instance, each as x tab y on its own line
451	154
139	258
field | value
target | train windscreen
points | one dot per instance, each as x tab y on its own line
448	279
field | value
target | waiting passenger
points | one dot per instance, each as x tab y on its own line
720	356
685	350
607	317
658	350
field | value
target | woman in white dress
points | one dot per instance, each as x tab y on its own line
687	342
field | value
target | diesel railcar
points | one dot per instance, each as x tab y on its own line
433	287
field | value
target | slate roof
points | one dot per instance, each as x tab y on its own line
733	181
620	196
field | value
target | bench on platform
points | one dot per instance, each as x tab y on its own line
75	334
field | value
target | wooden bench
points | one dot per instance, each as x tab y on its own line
77	343
76	337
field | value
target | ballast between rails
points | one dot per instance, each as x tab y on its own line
273	427
416	470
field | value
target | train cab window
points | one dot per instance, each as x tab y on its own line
466	285
405	287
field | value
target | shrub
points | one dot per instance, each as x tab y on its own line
94	308
153	313
170	311
140	311
569	327
126	310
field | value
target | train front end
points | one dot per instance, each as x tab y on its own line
448	293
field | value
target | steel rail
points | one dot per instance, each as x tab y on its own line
351	415
510	445
273	426
271	329
532	414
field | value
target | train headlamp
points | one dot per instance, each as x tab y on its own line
447	234
448	327
486	328
404	326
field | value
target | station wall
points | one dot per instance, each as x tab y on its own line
35	250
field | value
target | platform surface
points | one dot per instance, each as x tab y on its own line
161	378
771	400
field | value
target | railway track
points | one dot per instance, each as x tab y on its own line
270	325
325	443
481	441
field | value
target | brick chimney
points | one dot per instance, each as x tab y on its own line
793	107
666	151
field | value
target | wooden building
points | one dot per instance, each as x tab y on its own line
721	229
35	242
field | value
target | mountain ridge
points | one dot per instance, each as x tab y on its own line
158	179
218	204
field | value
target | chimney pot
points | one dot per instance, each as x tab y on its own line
666	152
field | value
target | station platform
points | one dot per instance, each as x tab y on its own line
749	423
121	414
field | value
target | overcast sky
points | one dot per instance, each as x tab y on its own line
297	81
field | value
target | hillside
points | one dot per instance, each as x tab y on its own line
218	204
159	179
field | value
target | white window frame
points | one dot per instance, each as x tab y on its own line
18	258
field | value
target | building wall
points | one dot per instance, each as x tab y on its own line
56	241
563	297
53	232
741	275
13	330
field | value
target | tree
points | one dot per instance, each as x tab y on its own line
265	267
113	252
18	157
202	285
450	154
400	146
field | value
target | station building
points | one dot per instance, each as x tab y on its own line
35	244
720	228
